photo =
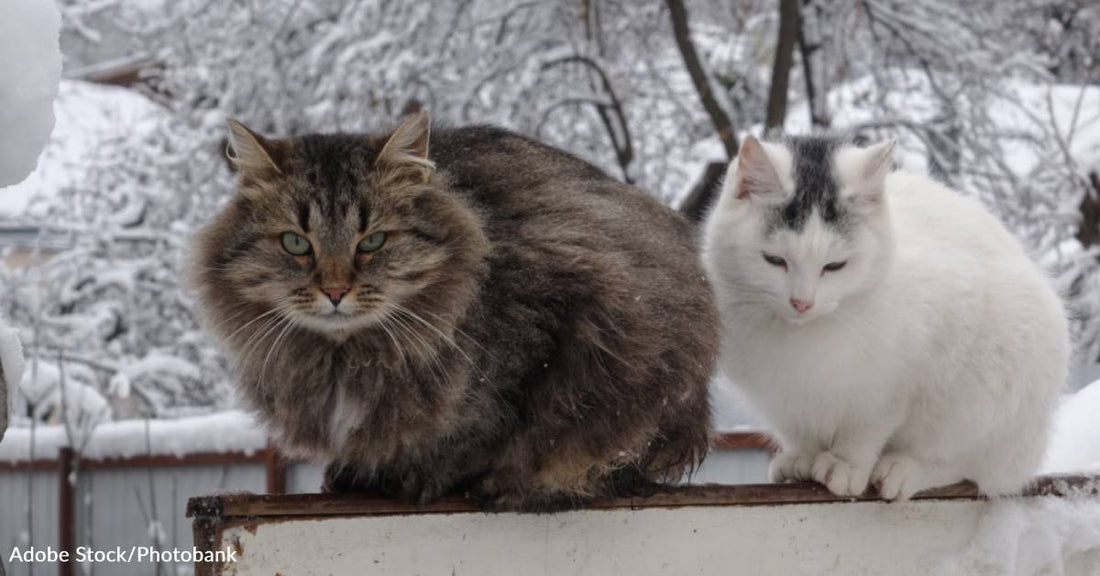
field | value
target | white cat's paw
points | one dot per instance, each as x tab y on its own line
840	477
791	467
897	477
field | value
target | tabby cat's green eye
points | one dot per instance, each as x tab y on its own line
296	244
373	242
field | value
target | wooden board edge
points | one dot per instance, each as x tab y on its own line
265	505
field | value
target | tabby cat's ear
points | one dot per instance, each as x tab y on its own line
253	156
756	176
405	155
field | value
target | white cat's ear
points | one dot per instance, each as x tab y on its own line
878	161
864	170
405	155
252	155
756	175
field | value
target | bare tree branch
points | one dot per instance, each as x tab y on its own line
618	131
781	67
700	78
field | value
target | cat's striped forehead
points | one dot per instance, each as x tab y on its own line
332	174
811	171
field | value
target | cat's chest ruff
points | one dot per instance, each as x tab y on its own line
776	355
344	415
344	412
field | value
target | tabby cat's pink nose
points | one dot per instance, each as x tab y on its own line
801	305
336	293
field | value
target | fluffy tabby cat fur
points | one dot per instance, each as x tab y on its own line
531	332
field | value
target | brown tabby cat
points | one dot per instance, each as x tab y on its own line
495	317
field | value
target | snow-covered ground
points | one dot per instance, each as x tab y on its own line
1031	537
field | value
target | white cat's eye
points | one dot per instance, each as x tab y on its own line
295	244
834	266
372	243
774	260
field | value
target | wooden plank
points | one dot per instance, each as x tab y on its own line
275	471
200	459
743	441
229	506
36	466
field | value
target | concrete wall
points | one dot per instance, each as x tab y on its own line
113	506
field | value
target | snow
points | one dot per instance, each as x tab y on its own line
160	364
91	118
1017	537
11	366
11	354
30	68
1046	112
230	431
79	406
1075	441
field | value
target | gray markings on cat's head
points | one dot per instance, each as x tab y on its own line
815	185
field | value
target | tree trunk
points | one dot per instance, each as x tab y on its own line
1088	232
700	78
4	408
698	201
809	43
781	68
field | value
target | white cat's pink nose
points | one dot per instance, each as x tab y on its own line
801	305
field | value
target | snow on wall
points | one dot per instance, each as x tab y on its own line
1026	537
30	69
230	431
1075	440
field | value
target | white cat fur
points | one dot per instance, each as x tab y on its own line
935	355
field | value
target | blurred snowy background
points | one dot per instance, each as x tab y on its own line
1001	98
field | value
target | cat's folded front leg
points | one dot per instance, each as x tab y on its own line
842	477
791	465
845	468
898	476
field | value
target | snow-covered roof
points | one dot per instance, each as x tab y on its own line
230	431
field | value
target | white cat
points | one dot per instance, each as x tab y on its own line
886	328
